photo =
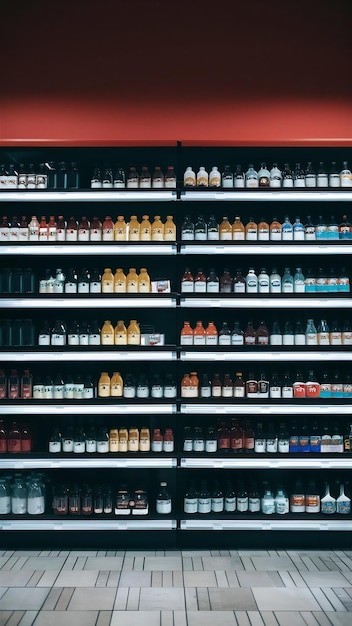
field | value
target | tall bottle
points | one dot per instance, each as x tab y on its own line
133	333
251	177
157	229
238	230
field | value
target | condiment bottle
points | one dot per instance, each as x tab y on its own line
145	229
95	231
187	335
144	285
144	440
133	334
157	229
199	334
120	281
169	229
116	385
107	281
132	281
107	334
134	229
108	229
123	440
211	335
104	385
120	229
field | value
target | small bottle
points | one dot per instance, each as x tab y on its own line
298	281
237	336
225	230
310	177
311	333
189	178
212	283
202	177
213	229
216	386
134	229
322	176
343	502
163	500
224	335
107	334
108	229
251	178
275	177
239	386
198	334
249	334
287	229
132	281
200	282
120	281
251	281
345	176
309	230
119	178
328	502
170	177
263	176
239	178
299	335
251	230
157	178
238	230
263	281
287	283
217	499
227	387
274	281
263	230
133	334
214	177
226	282
287	178
297	498
227	177
157	229
211	335
323	333
169	229
187	334
299	177
187	229
267	504
262	334
345	228
275	231
298	230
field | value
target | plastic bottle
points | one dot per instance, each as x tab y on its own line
275	230
199	334
169	229
120	281
287	281
120	229
275	176
238	230
189	178
157	229
274	281
133	333
345	176
251	230
251	178
107	334
187	334
132	281
263	281
202	177
200	229
298	230
225	230
213	229
298	281
144	284
263	176
263	230
287	229
311	333
251	281
134	229
214	177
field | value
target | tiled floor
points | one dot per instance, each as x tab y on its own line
186	588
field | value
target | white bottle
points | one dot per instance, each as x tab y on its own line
298	230
287	229
251	281
189	178
275	176
251	178
202	177
33	229
345	176
214	177
275	281
268	502
281	502
263	281
299	281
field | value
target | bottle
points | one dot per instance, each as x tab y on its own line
132	281
227	177
238	230
299	178
299	335
310	177
281	501
145	180
239	178
226	282
157	229
133	334
211	335
187	335
212	283
225	230
211	443
322	176
275	230
334	175
251	281
33	228
287	283
157	178
263	230
321	281
287	229
328	502
345	228
239	386
169	229
263	281
204	499
297	498
345	176
298	230
287	178
343	502
251	178
311	333
217	499
242	498
19	496
310	282
237	336
248	437
202	177
259	439
200	282
262	335
198	444
275	176
227	387
95	229
321	229
144	284
274	281
213	229
134	229
224	338
229	498
309	230
23	231
108	229
347	333
214	177
251	390
190	501
267	504
187	229
26	385
14	438
251	230
216	386
274	386
332	232
298	281
72	229
343	281
312	386
119	178
187	281
249	334
188	390
199	334
163	500
323	333
170	177
263	176
335	338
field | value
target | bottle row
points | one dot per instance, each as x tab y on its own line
245	437
301	385
53	230
108	177
45	387
21	494
300	176
87	281
287	230
18	438
47	175
23	332
300	333
264	498
321	281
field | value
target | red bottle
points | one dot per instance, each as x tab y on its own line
14	438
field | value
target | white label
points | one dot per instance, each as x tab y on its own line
190	505
163	507
211	340
199	340
54	447
187	286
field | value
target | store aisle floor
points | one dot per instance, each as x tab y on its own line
176	588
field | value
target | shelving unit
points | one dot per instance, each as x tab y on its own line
172	308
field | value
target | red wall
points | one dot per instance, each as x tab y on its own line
248	72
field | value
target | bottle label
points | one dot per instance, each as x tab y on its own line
251	234
163	506
186	340
211	445
187	286
227	392
211	340
238	392
259	445
225	236
299	390
200	286
287	392
230	504
224	340
217	505
283	446
238	235
237	340
199	340
242	504
212	287
190	505
54	447
275	234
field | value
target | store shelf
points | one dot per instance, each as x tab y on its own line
101	302
92	195
259	248
265	409
150	353
263	462
247	523
266	354
77	462
262	302
87	409
267	195
132	523
77	249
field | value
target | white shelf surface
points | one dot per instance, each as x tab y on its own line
134	522
93	195
54	302
150	354
265	409
266	355
248	523
279	195
268	463
87	409
92	249
262	302
79	462
258	248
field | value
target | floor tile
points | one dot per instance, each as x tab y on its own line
26	598
222	563
163	599
36	563
199	579
209	618
107	563
135	579
292	618
231	599
28	618
162	563
340	619
66	618
259	579
273	564
135	618
76	579
92	599
13	578
278	599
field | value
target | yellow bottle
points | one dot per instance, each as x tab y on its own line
134	229
144	440
107	281
146	229
170	229
123	440
113	440
104	385
157	229
225	229
133	440
107	334
238	230
133	334
120	229
120	281
120	334
132	281
116	385
144	281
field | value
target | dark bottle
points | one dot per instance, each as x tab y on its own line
223	437
262	334
236	437
239	282
242	498
204	499
28	280
71	282
251	390
163	500
26	385
259	439
52	175
205	386
198	439
190	502
224	338
73	177
213	283
3	435
271	439
283	443
248	437
200	229
249	334
217	498
230	500
200	282
26	439
13	385
211	442
303	438
62	176
83	281
216	386
14	438
55	443
253	498
226	282
274	386
28	333
212	229
3	385
263	386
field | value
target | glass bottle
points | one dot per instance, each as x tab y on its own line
187	334
120	229
275	176
310	178
345	228
144	284
132	178
211	335
263	176
119	178
299	177
298	281
170	177
328	502
259	439
226	282
213	229
262	334
202	177
263	281
189	177
224	335
263	230
96	180
212	283
251	177
163	500
251	230
120	281
224	438
96	228
249	334
190	501
157	178
274	281
227	177
214	177
157	229
345	176
26	384
187	229
108	229
299	334
251	390
216	386
133	334
287	178
107	334
311	333
239	386
343	502
217	498
287	229
134	229
200	282
132	281
239	282
238	230
200	229
227	387
287	281
237	336
323	333
72	229
242	498
199	334
332	231
19	496
251	281
225	230
275	230
169	229
239	178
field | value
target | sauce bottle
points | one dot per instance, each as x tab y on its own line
168	442
211	335
169	229
120	281
199	334
116	385
200	282
189	178
187	281
43	229
107	334
202	177
145	229
132	281
144	440
120	229
72	229
239	386
157	229
83	229
157	440
186	387
225	230
226	282
104	385
275	230
133	334
108	229
144	285
134	229
107	281
95	231
238	230
187	335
